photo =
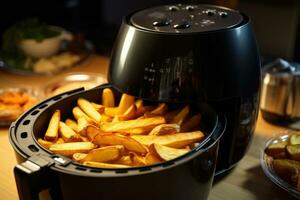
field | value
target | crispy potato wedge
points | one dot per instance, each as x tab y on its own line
84	139
104	165
177	140
128	114
45	143
108	98
165	129
72	124
100	108
102	154
89	109
141	109
82	124
67	133
79	156
91	132
137	160
117	139
161	109
276	148
59	141
286	168
52	131
180	117
294	151
68	149
124	160
168	153
138	131
191	124
294	139
152	157
77	112
125	102
131	124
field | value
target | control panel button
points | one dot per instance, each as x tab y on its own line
182	25
173	8
161	23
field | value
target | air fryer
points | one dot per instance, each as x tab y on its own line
193	53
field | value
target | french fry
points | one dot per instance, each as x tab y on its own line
191	124
104	165
89	109
165	129
84	139
177	140
82	124
59	141
125	102
79	156
52	131
128	114
68	134
91	132
295	139
98	107
276	149
168	153
179	118
161	109
124	160
72	124
108	98
137	160
77	112
103	154
131	124
117	139
112	112
45	143
68	149
139	131
294	151
141	109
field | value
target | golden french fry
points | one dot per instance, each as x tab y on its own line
160	109
104	165
177	140
179	118
109	111
72	124
79	156
117	139
137	160
103	154
128	114
294	138
191	124
91	132
124	160
131	124
84	139
77	112
294	151
52	131
125	102
165	129
98	107
89	109
276	148
141	109
168	153
68	149
108	98
59	141
138	131
45	143
106	118
68	134
82	124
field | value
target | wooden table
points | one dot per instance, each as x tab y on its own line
246	181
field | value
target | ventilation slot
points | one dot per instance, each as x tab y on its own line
24	135
121	171
168	164
145	169
34	112
26	122
57	98
96	170
33	148
81	168
43	106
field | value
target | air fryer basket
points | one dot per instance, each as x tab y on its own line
187	177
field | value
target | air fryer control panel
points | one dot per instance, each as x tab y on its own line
182	18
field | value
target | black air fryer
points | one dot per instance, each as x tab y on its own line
200	55
193	53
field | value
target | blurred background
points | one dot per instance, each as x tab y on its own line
276	22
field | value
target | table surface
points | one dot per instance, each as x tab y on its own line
245	181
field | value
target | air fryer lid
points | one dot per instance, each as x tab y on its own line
186	18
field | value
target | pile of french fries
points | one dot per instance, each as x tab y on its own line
125	135
286	158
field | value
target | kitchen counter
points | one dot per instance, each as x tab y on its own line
245	181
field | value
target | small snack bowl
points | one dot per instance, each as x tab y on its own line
279	165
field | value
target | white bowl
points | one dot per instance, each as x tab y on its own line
46	47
